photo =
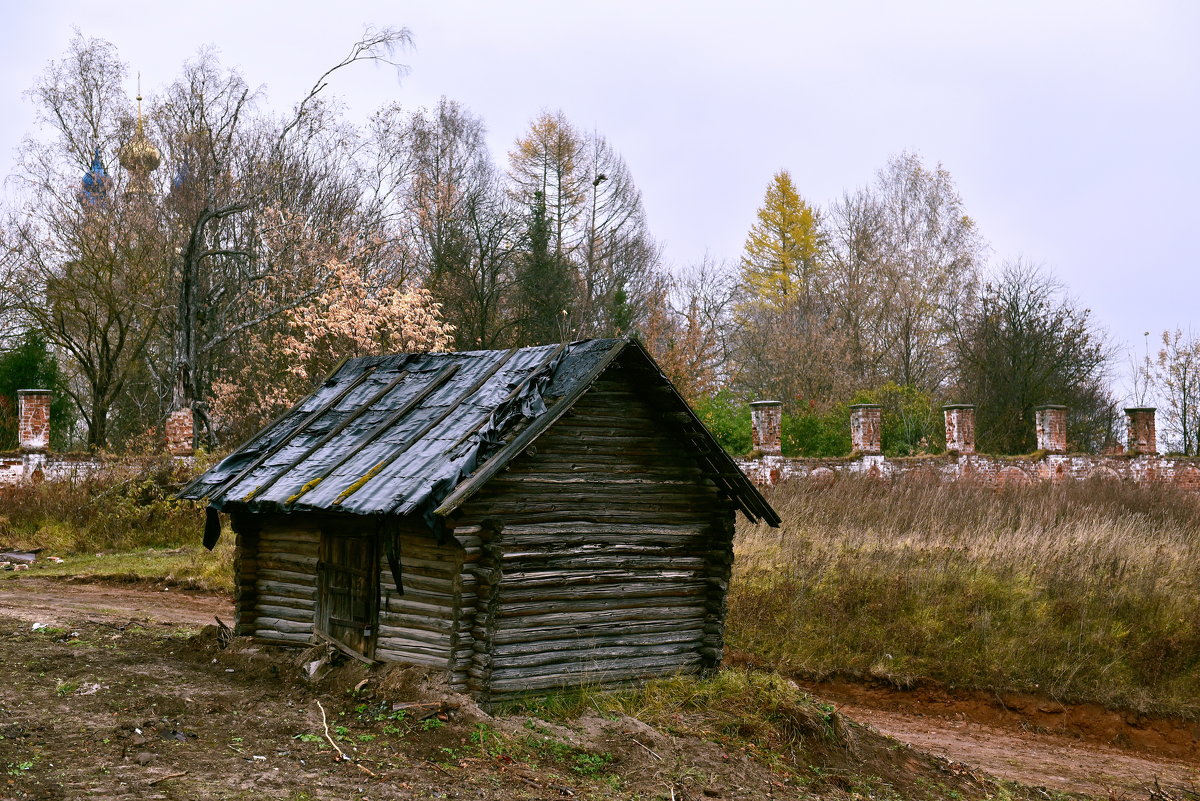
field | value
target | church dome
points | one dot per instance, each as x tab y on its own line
139	155
95	181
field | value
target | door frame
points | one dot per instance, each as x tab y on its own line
321	613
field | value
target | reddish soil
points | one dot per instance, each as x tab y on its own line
1082	748
58	602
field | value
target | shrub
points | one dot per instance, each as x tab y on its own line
728	418
127	506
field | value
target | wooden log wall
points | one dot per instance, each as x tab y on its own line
421	626
609	561
285	597
245	574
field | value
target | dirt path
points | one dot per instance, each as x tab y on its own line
62	602
1032	740
1046	760
1007	744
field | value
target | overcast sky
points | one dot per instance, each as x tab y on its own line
1070	128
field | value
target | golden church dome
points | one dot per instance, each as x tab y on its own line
139	155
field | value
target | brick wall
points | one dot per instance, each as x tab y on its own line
35	462
1183	472
33	420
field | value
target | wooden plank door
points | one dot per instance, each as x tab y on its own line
347	582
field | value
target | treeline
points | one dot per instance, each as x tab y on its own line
221	256
885	296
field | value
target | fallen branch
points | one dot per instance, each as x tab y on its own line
436	767
153	782
648	750
341	754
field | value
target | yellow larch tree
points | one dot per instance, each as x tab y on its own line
782	257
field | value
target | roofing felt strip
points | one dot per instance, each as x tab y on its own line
333	432
453	407
442	377
200	480
517	390
284	440
423	469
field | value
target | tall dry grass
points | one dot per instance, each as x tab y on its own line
123	523
1081	591
127	507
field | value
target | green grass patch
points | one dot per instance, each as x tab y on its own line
189	567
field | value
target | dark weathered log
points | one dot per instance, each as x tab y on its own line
598	672
402	605
584	527
552	633
387	655
695	636
438	638
641	613
605	606
396	645
283	626
398	621
289	577
526	579
265	609
279	589
283	638
604	559
587	658
516	596
290	562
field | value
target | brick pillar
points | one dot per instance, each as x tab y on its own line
179	433
960	427
766	427
33	420
865	431
1142	436
1051	420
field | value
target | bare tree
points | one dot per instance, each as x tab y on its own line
236	173
463	225
929	262
83	260
685	329
1175	374
1024	343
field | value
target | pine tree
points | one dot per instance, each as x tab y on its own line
546	287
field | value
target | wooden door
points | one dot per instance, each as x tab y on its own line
347	584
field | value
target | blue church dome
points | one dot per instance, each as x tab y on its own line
95	181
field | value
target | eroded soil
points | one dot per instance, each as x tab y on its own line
121	695
1069	749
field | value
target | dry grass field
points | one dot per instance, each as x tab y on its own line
1083	592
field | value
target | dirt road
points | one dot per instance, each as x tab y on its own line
63	602
1007	745
1046	760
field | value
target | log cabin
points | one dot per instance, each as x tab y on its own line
524	519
